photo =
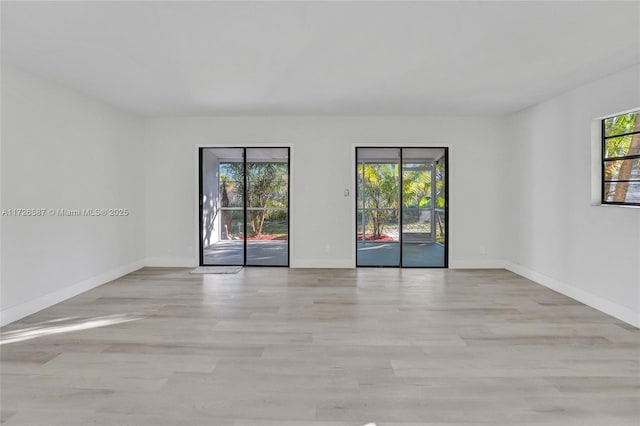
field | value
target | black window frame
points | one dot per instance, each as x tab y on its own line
603	160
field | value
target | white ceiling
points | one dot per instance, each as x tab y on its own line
321	58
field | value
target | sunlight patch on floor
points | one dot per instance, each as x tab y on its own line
64	325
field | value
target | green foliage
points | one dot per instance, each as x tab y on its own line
380	183
440	187
277	215
621	124
416	186
620	147
266	188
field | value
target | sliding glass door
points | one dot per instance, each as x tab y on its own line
401	207
378	198
267	206
244	206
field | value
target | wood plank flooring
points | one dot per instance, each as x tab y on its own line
287	347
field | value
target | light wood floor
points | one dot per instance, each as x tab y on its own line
283	347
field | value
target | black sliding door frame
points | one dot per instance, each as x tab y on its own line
244	203
401	207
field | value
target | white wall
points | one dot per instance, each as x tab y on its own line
520	187
322	166
61	149
211	208
556	236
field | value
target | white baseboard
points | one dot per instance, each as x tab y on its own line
324	263
616	310
176	262
17	312
350	263
171	262
476	264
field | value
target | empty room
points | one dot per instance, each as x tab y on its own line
323	213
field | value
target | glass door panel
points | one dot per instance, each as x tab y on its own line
441	200
378	208
267	206
419	201
222	206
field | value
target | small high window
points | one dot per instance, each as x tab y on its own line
621	159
